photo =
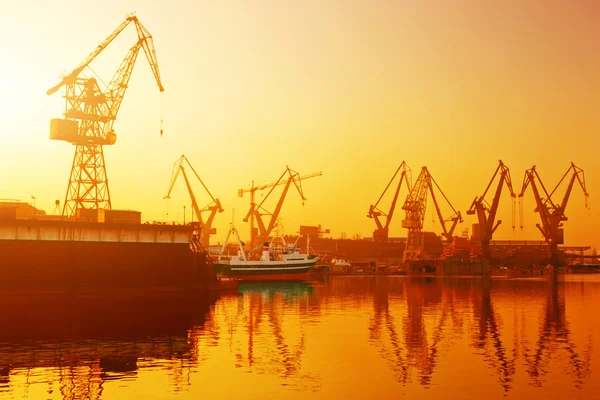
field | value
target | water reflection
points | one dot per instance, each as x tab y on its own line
382	319
433	313
77	344
270	344
405	334
488	338
410	345
555	341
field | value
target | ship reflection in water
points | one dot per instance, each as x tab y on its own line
355	337
56	346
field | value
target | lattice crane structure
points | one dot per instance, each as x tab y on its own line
415	207
381	233
258	211
552	214
90	113
205	228
486	212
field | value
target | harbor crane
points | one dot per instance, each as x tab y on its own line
90	113
380	234
415	207
205	227
552	214
257	211
486	212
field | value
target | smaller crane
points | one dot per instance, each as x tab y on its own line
415	206
205	228
486	213
552	214
381	233
257	211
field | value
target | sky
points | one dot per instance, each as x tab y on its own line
347	88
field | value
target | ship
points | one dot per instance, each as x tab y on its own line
99	250
278	261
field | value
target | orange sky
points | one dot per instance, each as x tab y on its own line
349	88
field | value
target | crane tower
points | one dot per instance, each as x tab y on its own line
90	113
415	207
552	214
486	213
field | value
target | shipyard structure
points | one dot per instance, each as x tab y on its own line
461	257
423	252
88	245
98	249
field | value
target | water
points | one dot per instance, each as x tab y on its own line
346	338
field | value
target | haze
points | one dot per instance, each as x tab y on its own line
348	88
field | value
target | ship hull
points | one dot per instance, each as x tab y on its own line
89	266
262	272
116	256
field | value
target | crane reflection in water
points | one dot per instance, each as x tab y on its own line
413	347
266	345
554	339
553	335
486	335
416	328
415	320
77	344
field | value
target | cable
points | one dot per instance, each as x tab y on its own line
162	96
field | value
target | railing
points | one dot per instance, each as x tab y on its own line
520	243
196	245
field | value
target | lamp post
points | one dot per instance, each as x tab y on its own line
33	197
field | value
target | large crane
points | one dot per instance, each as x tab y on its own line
415	207
90	114
380	234
205	227
552	214
257	211
486	213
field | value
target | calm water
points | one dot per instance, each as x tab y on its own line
383	337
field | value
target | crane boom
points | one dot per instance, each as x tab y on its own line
257	211
381	233
278	182
70	78
143	36
205	227
552	215
486	213
455	218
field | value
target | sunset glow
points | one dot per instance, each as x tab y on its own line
349	90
